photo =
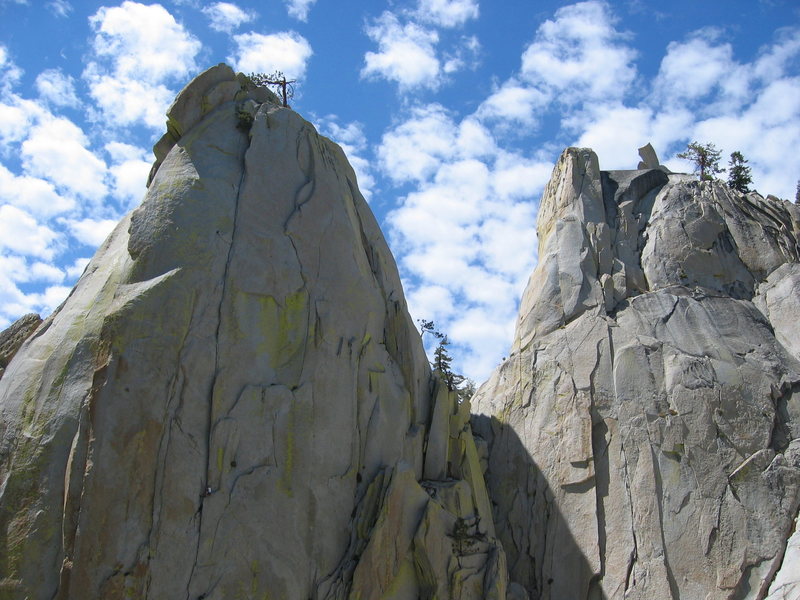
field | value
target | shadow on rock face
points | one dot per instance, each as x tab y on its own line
526	515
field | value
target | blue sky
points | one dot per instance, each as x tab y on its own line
452	112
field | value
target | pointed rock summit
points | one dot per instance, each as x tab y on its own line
644	434
233	402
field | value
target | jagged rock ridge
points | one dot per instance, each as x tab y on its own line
644	431
233	402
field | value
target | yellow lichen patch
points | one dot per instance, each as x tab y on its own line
282	326
404	584
250	590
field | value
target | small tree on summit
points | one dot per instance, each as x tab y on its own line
739	177
277	80
705	158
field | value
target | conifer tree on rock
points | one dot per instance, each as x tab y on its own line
739	176
463	386
706	159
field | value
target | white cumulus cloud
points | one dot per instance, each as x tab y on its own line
91	232
693	68
447	13
16	117
143	41
21	233
579	55
33	194
514	102
130	167
57	88
56	150
137	50
299	9
286	51
406	53
226	17
10	73
464	236
41	271
576	61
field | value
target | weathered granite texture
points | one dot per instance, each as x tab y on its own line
643	434
13	337
234	402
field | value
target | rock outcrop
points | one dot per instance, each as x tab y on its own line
233	402
644	434
14	336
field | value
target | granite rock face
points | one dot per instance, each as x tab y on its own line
644	434
234	402
14	336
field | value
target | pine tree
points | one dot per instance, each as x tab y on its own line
466	390
739	177
442	362
441	357
706	159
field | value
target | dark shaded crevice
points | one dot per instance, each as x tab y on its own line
640	187
600	444
781	434
609	188
743	589
74	483
666	318
336	585
633	557
634	554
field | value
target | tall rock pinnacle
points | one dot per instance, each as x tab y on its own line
233	402
644	433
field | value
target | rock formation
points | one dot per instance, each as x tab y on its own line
650	159
233	402
644	434
12	338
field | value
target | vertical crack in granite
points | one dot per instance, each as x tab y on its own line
212	417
